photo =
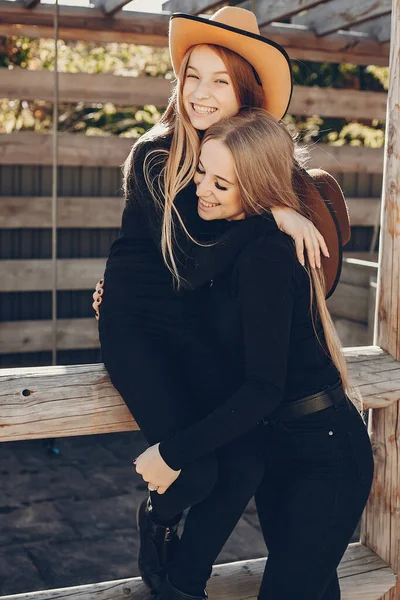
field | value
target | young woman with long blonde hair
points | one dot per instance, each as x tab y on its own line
155	343
270	317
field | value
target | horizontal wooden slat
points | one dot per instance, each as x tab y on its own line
35	336
36	274
85	87
346	104
42	402
110	7
103	87
72	212
339	14
362	574
350	302
378	29
267	11
25	211
28	275
364	212
28	148
77	23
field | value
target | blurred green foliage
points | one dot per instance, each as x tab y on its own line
132	121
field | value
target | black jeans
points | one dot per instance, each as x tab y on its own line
150	373
319	471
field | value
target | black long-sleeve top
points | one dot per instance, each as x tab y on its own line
262	318
135	266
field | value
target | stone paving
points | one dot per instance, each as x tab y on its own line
69	519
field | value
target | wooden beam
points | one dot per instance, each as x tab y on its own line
191	7
77	23
72	212
110	7
382	516
41	402
28	148
364	212
35	336
362	576
342	103
100	212
138	91
36	275
85	87
378	29
31	3
340	14
268	11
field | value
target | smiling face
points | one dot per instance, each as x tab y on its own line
216	182
208	92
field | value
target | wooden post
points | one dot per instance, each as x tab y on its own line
381	522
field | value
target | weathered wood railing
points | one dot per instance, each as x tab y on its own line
62	401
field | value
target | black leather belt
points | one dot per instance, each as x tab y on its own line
334	395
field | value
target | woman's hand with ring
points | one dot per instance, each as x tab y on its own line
153	468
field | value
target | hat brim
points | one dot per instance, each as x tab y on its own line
268	58
324	197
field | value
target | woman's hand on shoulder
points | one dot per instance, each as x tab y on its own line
304	234
97	298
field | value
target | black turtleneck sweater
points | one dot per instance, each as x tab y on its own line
258	307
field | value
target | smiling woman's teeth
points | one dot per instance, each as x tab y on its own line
206	204
204	110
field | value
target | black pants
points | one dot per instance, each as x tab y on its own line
150	374
319	471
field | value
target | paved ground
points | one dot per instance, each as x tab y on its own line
70	519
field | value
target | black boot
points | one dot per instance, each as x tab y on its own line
157	545
169	592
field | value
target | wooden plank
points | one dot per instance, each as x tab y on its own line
267	11
91	212
241	579
31	3
350	302
45	402
72	212
85	87
127	91
351	333
36	274
77	23
381	523
35	336
378	29
110	7
339	14
364	212
79	150
191	7
346	104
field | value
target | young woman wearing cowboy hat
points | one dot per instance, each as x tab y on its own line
151	337
269	315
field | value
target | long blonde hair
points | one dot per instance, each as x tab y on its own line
266	160
179	162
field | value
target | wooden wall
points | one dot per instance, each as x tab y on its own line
92	203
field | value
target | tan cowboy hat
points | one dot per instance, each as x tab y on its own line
324	197
236	29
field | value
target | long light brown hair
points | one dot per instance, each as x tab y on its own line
265	160
179	162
